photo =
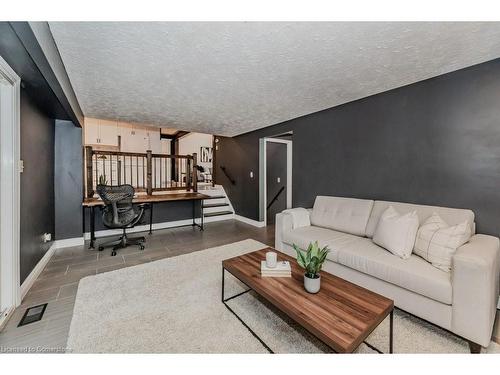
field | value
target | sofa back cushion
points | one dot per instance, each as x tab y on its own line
396	232
347	215
437	242
452	216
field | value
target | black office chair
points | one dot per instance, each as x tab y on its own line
119	212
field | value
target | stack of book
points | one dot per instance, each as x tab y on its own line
282	269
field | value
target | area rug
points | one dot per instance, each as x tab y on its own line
174	306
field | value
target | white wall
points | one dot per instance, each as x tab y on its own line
165	146
192	142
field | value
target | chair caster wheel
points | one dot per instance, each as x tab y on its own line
101	248
141	247
113	253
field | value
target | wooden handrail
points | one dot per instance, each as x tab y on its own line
121	153
145	171
275	197
231	180
168	156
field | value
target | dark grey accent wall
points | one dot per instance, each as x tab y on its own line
433	142
42	101
68	180
37	183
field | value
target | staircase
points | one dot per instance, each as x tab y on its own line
217	207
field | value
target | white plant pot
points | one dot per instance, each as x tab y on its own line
312	285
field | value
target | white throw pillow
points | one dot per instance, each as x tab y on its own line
396	232
437	241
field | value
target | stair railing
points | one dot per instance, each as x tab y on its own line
231	180
275	197
146	172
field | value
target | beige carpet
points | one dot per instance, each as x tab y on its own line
174	306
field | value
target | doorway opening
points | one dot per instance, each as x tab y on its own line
9	190
275	176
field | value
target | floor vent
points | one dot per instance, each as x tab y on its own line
32	314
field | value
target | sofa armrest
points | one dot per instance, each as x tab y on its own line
475	280
288	220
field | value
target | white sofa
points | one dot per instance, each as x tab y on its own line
462	301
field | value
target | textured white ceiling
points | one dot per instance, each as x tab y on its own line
230	78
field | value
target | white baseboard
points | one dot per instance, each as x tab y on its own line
30	280
4	318
255	223
69	242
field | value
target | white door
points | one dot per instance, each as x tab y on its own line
9	190
3	308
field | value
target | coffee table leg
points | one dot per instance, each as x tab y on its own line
236	315
391	331
223	284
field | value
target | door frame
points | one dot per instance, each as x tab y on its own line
10	292
263	174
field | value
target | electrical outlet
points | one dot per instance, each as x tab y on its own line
278	179
47	237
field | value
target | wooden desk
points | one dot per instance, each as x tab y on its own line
92	203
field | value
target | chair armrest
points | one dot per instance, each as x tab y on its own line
288	220
475	280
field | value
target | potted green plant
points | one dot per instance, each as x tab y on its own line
101	184
102	180
312	260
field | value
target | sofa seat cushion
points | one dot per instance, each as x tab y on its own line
335	240
414	273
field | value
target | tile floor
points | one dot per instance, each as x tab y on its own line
58	283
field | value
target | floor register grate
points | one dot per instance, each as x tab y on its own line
32	314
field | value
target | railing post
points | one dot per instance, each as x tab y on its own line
195	173
119	170
215	140
90	179
149	181
189	175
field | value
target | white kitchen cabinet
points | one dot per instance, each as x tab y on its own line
108	133
100	132
91	131
134	137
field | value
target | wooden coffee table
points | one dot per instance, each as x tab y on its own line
342	314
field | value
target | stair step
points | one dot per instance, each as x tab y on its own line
210	214
215	197
212	205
